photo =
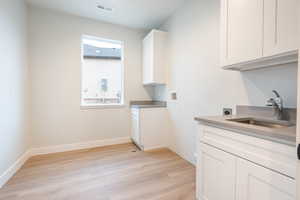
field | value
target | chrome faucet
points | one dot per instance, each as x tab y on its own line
277	104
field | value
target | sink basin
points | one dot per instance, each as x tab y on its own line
263	122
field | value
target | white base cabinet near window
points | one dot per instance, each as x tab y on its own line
232	166
150	128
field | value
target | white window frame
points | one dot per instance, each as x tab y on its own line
102	106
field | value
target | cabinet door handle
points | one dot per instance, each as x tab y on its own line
298	151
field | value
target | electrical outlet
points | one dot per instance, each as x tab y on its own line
173	95
227	111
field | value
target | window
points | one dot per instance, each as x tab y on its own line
102	72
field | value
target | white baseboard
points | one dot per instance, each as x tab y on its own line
78	146
14	168
193	160
56	149
154	148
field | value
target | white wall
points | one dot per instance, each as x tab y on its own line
55	41
14	134
203	88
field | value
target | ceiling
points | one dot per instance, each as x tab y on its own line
143	14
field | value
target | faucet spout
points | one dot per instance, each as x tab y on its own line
277	104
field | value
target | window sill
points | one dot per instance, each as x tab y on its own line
100	107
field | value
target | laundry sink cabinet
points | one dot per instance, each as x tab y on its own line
233	166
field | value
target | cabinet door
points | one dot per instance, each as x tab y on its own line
255	182
148	57
160	64
154	128
243	29
280	26
216	174
135	126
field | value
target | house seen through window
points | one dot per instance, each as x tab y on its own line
102	72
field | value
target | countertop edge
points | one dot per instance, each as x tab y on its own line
249	131
148	104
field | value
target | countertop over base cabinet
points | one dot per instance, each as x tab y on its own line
258	33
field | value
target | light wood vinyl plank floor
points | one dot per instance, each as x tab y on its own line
118	172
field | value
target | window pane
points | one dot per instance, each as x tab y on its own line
102	74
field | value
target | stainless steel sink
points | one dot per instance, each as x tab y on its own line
263	122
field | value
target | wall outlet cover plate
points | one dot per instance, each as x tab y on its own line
227	111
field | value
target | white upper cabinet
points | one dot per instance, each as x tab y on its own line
154	58
280	26
258	33
244	30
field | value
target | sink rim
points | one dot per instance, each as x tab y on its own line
262	122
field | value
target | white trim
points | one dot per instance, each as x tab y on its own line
79	146
10	172
155	148
108	106
275	60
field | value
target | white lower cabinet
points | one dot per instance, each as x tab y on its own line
135	126
234	171
255	182
149	128
216	172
